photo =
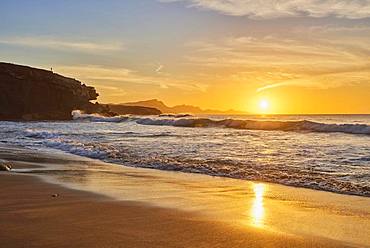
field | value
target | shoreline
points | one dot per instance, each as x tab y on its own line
131	222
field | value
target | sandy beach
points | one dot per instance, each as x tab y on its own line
31	217
185	123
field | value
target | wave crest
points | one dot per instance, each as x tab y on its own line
194	122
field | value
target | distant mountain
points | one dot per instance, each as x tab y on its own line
154	103
133	110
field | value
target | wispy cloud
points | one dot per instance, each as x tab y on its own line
62	44
352	9
271	62
159	69
99	75
111	91
326	81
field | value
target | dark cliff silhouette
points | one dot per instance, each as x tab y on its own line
34	94
179	109
28	93
133	110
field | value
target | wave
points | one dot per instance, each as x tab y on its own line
194	122
339	169
40	134
316	179
57	140
175	115
78	115
77	148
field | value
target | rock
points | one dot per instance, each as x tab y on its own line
54	195
34	94
178	109
5	165
153	103
102	109
133	110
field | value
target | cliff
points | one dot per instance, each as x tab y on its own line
35	94
154	103
133	110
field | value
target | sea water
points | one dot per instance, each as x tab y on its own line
323	152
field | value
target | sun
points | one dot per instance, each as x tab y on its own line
264	105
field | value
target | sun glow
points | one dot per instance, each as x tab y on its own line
264	105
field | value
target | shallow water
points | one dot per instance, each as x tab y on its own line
325	152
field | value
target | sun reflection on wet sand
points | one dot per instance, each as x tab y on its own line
257	212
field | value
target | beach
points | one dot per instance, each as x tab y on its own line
43	204
185	123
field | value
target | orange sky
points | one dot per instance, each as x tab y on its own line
301	56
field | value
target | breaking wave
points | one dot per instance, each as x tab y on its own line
309	177
304	125
338	163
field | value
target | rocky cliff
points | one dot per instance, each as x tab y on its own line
133	110
34	94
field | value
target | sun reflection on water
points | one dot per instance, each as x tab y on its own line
258	211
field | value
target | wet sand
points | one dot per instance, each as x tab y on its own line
31	217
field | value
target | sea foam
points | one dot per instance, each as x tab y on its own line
302	125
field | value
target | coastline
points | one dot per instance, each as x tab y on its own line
86	219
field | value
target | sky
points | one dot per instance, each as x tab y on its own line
295	56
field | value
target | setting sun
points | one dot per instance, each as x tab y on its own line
264	105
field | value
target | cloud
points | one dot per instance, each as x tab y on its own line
111	91
270	62
326	81
118	76
249	52
266	9
62	44
159	69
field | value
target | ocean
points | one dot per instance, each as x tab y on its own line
321	152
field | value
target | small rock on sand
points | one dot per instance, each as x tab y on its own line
5	165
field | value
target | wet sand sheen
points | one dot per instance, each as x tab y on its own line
164	209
